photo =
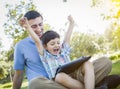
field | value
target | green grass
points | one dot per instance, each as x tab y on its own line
9	85
115	70
6	86
24	85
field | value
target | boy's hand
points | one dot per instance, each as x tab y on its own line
24	22
70	18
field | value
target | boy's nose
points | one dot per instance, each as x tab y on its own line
57	45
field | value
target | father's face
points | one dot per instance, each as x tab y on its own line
37	25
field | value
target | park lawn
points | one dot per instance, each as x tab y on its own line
115	70
25	84
9	85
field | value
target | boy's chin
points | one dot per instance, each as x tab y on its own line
55	54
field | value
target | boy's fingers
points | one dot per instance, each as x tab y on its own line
21	22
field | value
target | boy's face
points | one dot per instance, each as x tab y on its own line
53	46
37	25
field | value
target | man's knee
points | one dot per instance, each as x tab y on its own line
33	84
107	63
36	83
103	62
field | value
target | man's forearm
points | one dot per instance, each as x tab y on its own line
16	86
17	83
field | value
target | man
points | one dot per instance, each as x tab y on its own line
26	57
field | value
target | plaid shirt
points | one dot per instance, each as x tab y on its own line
52	62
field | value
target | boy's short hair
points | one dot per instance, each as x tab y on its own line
49	35
32	15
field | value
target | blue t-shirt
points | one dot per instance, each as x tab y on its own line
27	57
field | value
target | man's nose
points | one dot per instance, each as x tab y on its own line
39	27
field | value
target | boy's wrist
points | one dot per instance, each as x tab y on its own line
72	23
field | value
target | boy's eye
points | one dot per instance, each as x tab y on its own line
58	42
52	43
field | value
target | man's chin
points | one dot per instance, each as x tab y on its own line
39	36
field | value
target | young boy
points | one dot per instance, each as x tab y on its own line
53	55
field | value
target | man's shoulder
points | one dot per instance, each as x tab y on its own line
24	41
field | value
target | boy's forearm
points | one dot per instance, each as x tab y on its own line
36	39
69	32
33	34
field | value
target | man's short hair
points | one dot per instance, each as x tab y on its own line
32	15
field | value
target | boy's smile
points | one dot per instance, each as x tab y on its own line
53	46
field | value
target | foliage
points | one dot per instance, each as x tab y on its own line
2	73
12	27
115	56
6	86
4	68
87	44
0	43
14	31
9	85
116	24
113	16
14	13
96	3
108	34
116	37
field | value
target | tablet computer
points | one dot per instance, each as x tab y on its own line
73	65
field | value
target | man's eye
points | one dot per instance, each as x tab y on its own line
33	26
40	24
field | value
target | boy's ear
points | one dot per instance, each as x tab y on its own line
44	46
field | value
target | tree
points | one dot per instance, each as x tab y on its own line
12	27
14	31
86	44
113	16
